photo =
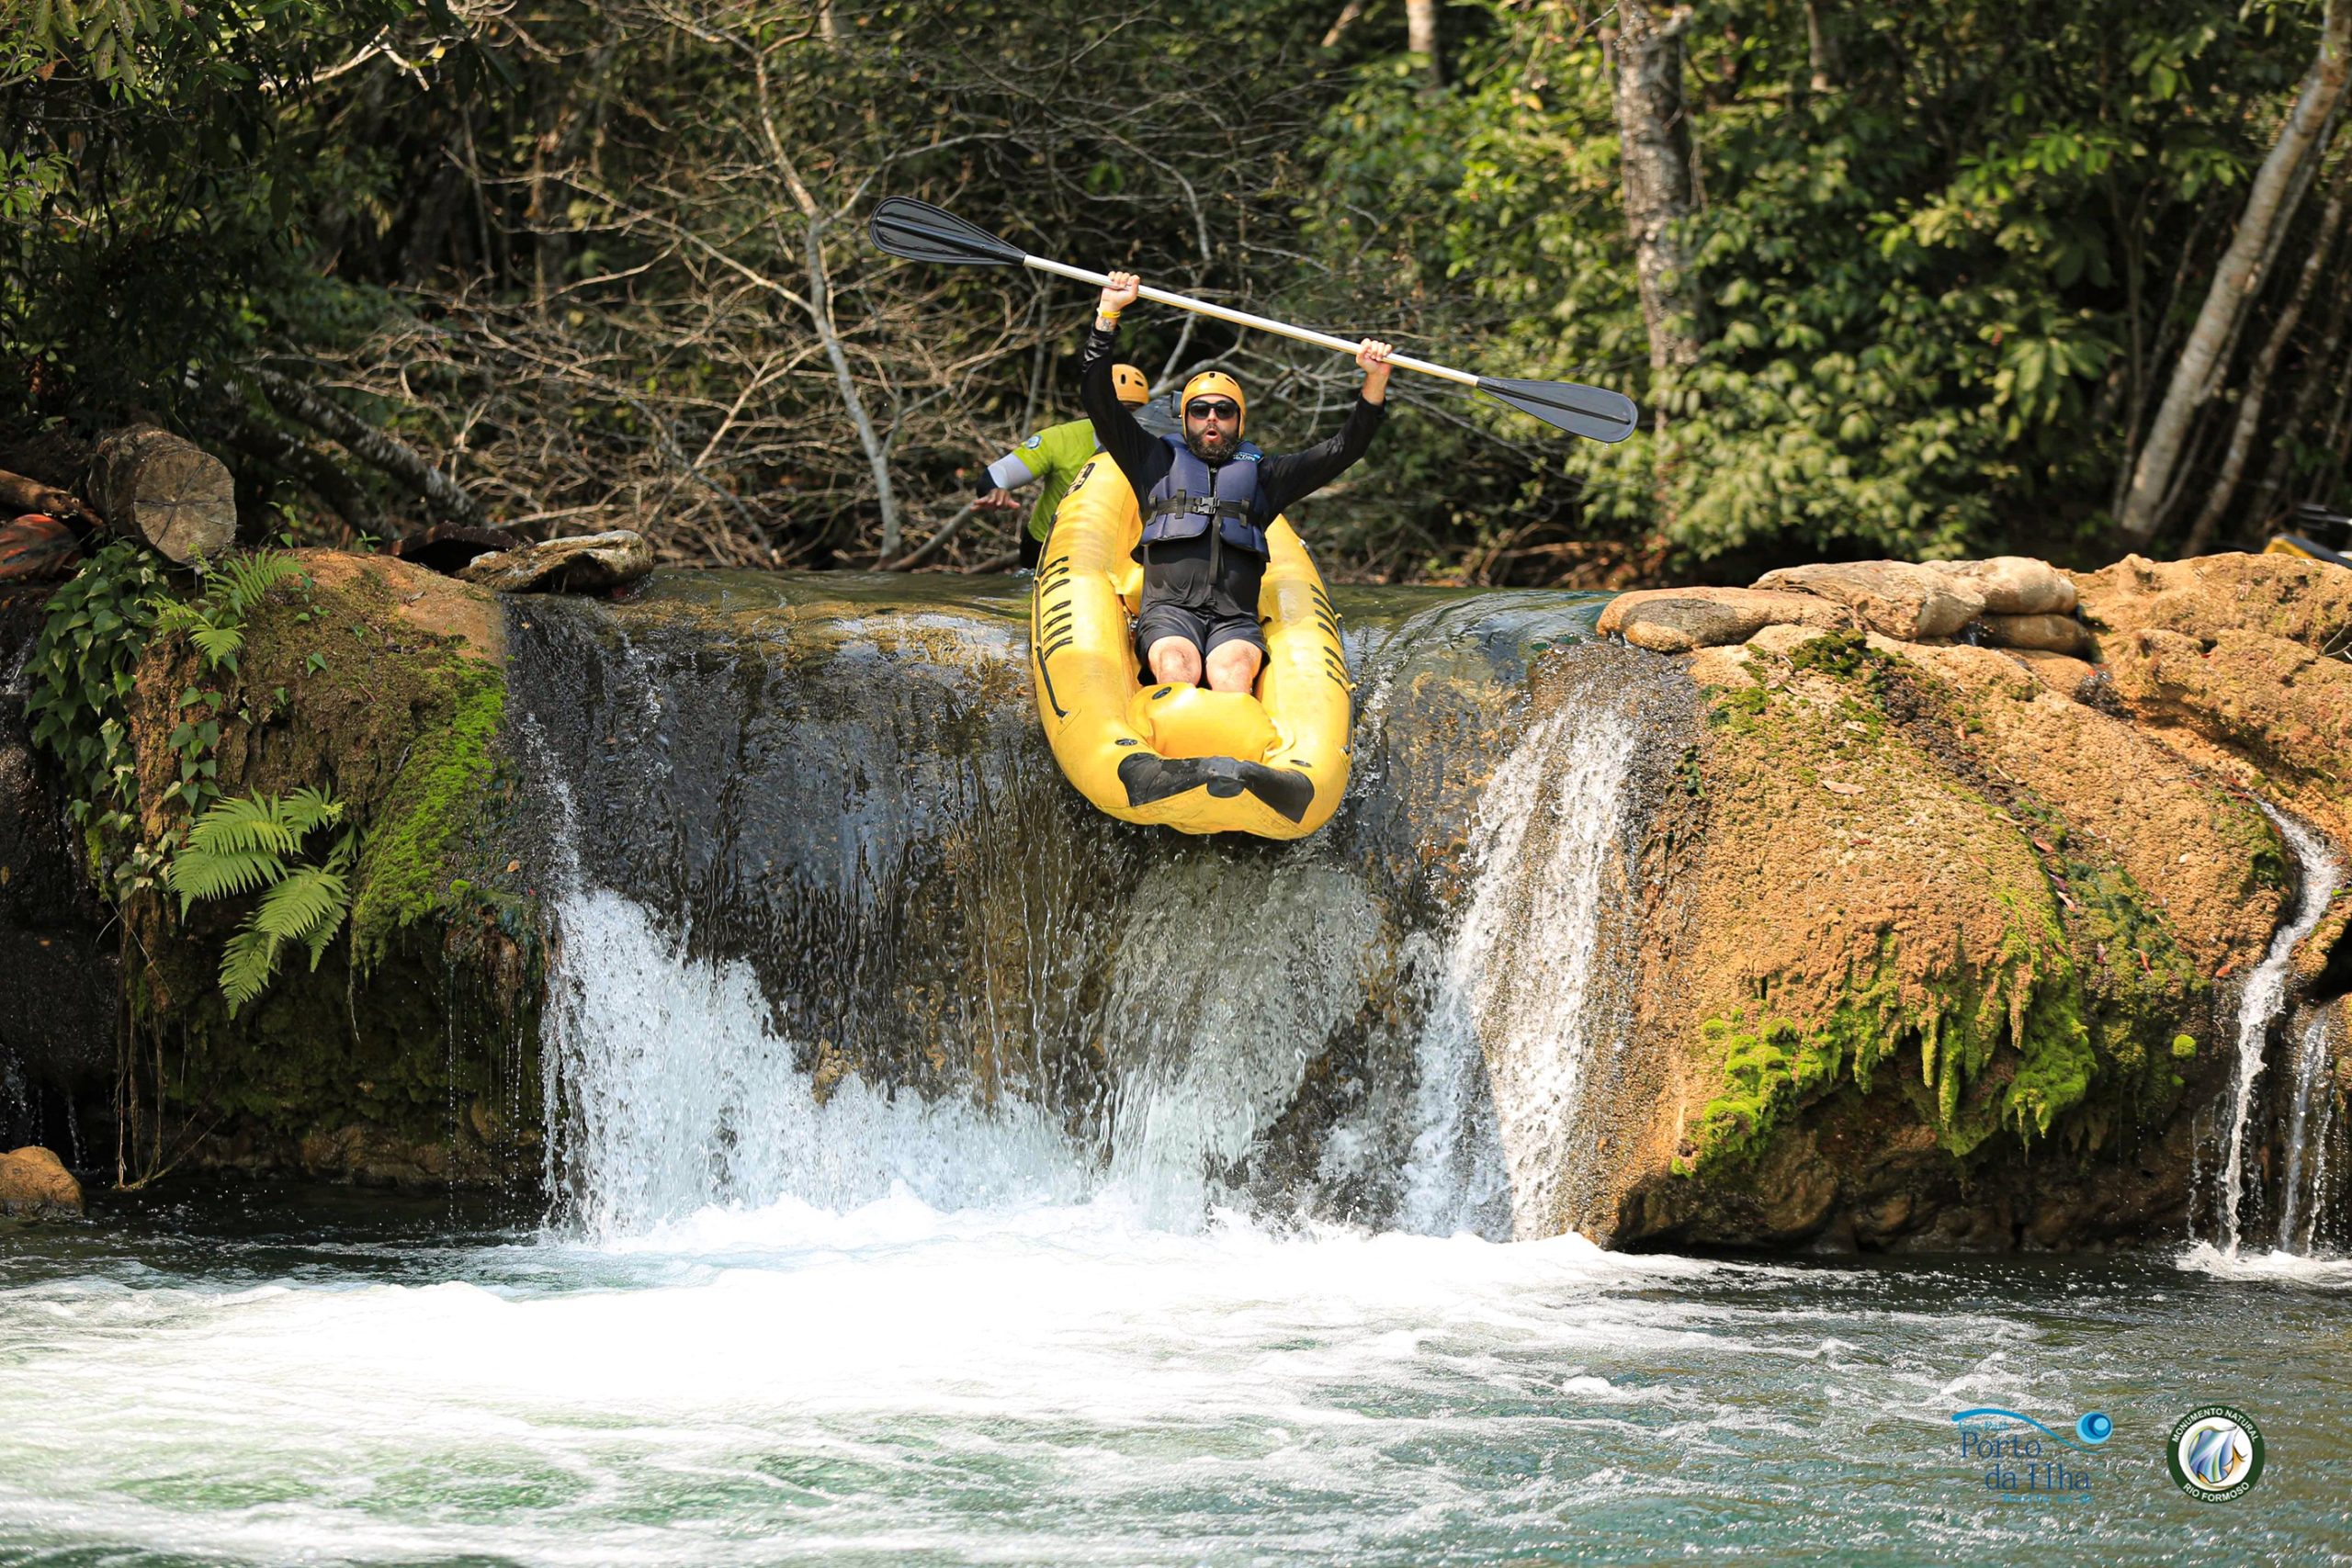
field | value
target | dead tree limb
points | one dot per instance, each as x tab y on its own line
19	494
372	447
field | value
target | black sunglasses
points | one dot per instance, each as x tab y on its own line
1221	407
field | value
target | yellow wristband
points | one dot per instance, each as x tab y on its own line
1110	316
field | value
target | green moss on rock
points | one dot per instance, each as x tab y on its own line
410	866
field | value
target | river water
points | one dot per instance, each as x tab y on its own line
254	1376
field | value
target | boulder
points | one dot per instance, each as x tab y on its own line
2044	633
34	1182
2240	660
1906	602
590	563
1988	911
2289	597
1675	620
2014	585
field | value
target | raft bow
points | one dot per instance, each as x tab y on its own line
1273	764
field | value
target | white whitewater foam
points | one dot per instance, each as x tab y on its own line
674	1093
2205	1257
889	1383
1528	973
2265	995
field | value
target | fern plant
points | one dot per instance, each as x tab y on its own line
216	622
255	844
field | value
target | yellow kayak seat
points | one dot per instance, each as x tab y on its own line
1273	762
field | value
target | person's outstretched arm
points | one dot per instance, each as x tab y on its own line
1294	475
1001	477
1115	427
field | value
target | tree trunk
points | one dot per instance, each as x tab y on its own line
1822	49
2313	382
819	305
169	495
2267	211
2257	382
1654	130
1420	37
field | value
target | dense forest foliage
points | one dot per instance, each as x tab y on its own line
1916	278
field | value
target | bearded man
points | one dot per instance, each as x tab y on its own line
1207	498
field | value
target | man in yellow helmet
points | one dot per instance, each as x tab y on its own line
1054	454
1207	498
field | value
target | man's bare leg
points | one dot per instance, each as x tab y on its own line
1175	660
1234	667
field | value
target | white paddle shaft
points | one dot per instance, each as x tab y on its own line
1244	318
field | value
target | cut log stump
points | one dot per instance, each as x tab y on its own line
169	495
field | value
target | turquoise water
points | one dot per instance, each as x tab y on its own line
265	1376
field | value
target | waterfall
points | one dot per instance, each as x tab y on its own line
1531	968
2259	1006
2311	1130
829	927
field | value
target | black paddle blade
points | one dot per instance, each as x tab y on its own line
920	232
1593	412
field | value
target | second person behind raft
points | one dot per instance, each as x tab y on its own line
1207	498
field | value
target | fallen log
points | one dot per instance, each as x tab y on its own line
169	495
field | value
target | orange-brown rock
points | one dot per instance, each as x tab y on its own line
2060	673
2239	660
1675	620
1899	598
418	597
2196	850
2283	596
1940	913
33	1181
2045	633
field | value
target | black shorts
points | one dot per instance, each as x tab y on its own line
1205	629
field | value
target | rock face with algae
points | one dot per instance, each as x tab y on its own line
403	1056
1951	960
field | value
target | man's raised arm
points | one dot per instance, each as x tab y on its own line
1294	475
1114	428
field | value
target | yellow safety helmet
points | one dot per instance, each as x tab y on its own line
1216	384
1132	385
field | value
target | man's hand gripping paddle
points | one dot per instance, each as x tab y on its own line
920	232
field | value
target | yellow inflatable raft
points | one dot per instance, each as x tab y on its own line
1274	763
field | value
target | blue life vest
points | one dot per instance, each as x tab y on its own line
1181	505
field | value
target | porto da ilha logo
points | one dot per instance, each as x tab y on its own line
2215	1452
2020	1459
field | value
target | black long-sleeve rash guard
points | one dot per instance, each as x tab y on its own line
1178	571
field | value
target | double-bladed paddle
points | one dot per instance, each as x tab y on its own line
920	232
